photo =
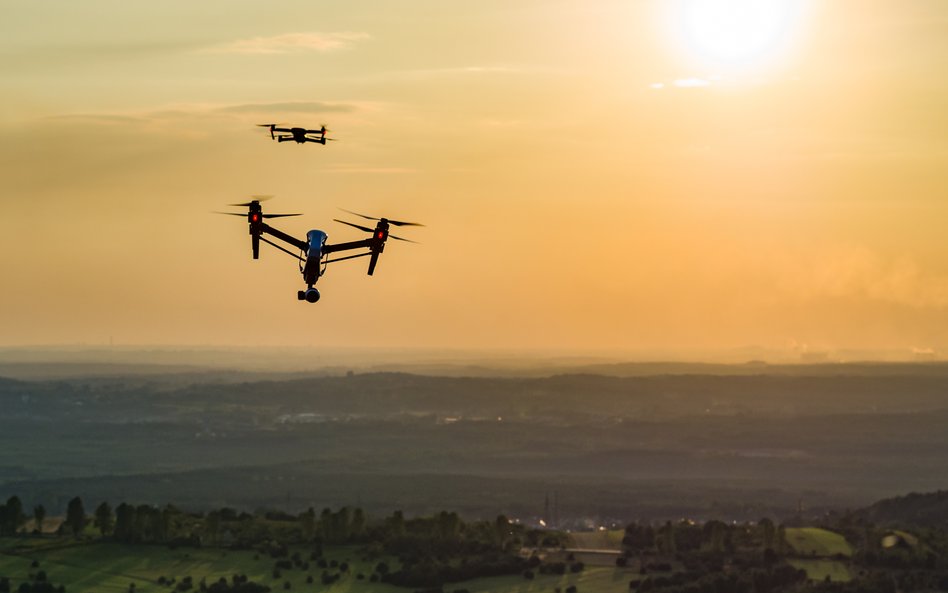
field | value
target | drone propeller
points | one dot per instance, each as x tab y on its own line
361	228
255	199
271	126
390	221
368	230
243	215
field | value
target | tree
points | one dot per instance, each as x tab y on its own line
14	517
358	522
212	525
103	519
308	524
448	525
165	523
716	531
666	540
124	522
75	516
39	515
501	528
143	522
342	524
767	532
781	547
397	523
325	524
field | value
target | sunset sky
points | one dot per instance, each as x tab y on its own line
636	175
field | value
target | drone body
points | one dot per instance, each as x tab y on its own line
298	135
314	251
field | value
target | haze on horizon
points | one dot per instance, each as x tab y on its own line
616	175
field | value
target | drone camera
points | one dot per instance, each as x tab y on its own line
311	295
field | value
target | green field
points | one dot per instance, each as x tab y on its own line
597	540
111	567
591	580
813	541
818	570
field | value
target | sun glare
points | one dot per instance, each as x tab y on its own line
737	32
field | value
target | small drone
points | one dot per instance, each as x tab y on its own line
298	135
314	254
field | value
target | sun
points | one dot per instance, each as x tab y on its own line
737	32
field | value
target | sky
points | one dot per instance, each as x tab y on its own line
632	176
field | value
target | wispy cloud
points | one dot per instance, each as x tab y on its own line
291	43
364	168
289	107
419	74
857	272
185	112
683	83
690	83
96	118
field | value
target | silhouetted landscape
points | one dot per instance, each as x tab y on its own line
731	442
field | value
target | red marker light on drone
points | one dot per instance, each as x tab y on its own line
381	234
255	217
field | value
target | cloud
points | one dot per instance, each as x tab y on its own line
289	107
96	118
420	74
291	43
186	113
368	169
858	273
691	83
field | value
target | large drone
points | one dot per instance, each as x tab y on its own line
315	253
298	135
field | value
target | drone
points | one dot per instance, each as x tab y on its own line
315	254
298	135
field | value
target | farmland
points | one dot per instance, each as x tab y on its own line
101	567
819	570
730	445
816	542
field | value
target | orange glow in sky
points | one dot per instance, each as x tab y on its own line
641	176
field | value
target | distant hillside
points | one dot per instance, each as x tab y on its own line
653	447
929	510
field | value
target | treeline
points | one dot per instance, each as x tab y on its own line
713	537
431	551
781	578
687	557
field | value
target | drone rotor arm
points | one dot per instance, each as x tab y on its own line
283	249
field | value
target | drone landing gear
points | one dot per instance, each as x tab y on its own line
311	295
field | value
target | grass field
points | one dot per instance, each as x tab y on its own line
591	580
93	567
597	540
813	541
817	570
111	567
